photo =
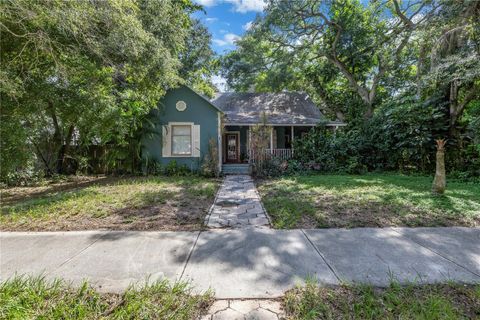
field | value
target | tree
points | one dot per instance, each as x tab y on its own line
363	43
404	72
85	72
450	59
197	59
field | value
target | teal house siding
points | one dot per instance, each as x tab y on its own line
198	111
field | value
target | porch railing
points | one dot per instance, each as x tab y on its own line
281	154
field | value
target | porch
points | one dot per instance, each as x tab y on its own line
236	139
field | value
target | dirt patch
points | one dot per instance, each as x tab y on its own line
15	194
129	203
340	212
453	301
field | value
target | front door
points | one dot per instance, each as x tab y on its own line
232	147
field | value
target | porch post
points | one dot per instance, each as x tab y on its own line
293	136
271	140
249	149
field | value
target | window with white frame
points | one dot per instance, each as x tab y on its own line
181	140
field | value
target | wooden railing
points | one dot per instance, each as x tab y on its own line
281	154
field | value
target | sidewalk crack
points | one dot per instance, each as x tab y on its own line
78	253
190	255
332	269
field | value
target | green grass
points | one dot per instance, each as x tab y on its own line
438	301
35	298
113	203
373	200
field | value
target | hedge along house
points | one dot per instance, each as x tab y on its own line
187	122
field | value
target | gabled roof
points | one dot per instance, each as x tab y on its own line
283	108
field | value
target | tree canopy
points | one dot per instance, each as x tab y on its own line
371	51
364	60
89	71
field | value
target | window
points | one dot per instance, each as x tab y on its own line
181	140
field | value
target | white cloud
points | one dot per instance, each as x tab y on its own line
220	82
207	3
247	26
241	6
211	20
227	40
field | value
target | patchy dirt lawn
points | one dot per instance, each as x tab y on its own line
429	301
374	200
114	203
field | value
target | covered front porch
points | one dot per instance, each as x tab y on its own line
236	142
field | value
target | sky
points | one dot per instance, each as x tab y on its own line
227	20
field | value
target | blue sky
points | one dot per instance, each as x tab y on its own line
227	20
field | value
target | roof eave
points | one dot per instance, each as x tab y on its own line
328	124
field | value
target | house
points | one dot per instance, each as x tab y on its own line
187	123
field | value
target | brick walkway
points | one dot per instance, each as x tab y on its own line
245	310
237	205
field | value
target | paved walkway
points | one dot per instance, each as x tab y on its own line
246	263
237	205
252	309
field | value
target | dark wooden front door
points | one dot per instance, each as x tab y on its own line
232	147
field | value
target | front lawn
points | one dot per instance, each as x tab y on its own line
128	203
436	301
35	298
374	200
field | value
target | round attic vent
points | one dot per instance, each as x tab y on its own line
181	105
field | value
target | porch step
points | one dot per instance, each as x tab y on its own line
235	168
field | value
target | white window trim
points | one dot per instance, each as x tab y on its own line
170	125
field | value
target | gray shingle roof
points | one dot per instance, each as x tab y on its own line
280	108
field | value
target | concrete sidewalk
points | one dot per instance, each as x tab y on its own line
246	263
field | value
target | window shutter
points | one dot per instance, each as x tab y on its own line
196	141
166	141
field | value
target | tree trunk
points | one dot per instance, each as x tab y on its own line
368	112
440	180
64	148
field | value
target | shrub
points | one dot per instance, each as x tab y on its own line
400	136
174	169
209	167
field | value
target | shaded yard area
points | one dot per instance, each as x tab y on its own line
374	200
35	298
436	301
116	203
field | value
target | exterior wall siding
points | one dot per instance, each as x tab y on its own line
198	111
